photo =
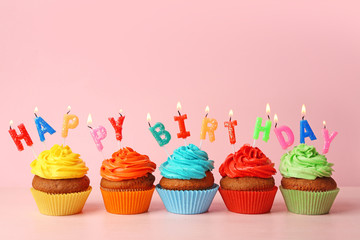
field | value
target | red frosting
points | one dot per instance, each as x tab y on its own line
247	162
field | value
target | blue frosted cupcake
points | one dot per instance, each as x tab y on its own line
187	185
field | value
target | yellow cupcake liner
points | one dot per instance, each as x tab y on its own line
60	204
127	201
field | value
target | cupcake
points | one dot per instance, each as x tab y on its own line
187	185
307	185
127	183
60	186
247	184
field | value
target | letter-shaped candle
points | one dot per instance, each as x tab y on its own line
327	139
99	133
231	128
162	136
24	135
70	121
305	129
117	125
42	126
209	125
181	120
259	128
279	131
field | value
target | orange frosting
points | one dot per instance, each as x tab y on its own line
126	164
247	162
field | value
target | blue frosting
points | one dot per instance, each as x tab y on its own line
187	162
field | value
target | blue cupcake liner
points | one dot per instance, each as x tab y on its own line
187	201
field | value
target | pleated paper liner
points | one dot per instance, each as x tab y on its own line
127	201
60	204
189	201
309	203
248	202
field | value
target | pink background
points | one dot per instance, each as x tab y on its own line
144	56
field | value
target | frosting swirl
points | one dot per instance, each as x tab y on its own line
305	162
187	162
247	162
59	163
126	164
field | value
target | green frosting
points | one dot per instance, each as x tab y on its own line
305	162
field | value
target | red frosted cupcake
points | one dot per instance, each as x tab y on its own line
247	184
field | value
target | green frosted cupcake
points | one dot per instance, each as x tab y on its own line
307	185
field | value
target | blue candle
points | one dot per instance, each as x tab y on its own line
305	129
42	126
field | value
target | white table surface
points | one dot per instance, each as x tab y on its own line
20	219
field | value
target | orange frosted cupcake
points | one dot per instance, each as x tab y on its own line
127	183
248	185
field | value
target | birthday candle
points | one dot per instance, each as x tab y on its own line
70	121
98	134
181	120
42	126
24	135
117	125
279	131
327	139
305	129
162	136
231	128
265	129
209	125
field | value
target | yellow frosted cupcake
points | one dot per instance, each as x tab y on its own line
60	185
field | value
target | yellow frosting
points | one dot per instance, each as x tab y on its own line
59	163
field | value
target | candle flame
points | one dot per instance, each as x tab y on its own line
231	113
11	123
148	117
89	120
36	110
324	124
120	111
207	109
276	118
303	110
69	108
268	109
178	106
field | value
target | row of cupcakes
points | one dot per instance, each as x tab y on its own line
61	187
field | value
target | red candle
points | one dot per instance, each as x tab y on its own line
24	135
231	127
181	119
117	125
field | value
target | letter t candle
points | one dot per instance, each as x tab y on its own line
231	128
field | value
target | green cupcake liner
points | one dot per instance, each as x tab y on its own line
309	203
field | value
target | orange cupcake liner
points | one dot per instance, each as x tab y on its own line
127	201
60	204
248	202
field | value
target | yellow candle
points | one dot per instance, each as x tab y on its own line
70	121
209	125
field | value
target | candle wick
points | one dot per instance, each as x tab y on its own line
275	125
120	115
149	124
230	119
10	127
179	113
90	127
68	112
268	117
302	117
206	114
35	115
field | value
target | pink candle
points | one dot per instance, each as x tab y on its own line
280	131
98	134
327	139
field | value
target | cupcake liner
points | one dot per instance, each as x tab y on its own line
60	204
248	202
309	203
187	201
127	201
